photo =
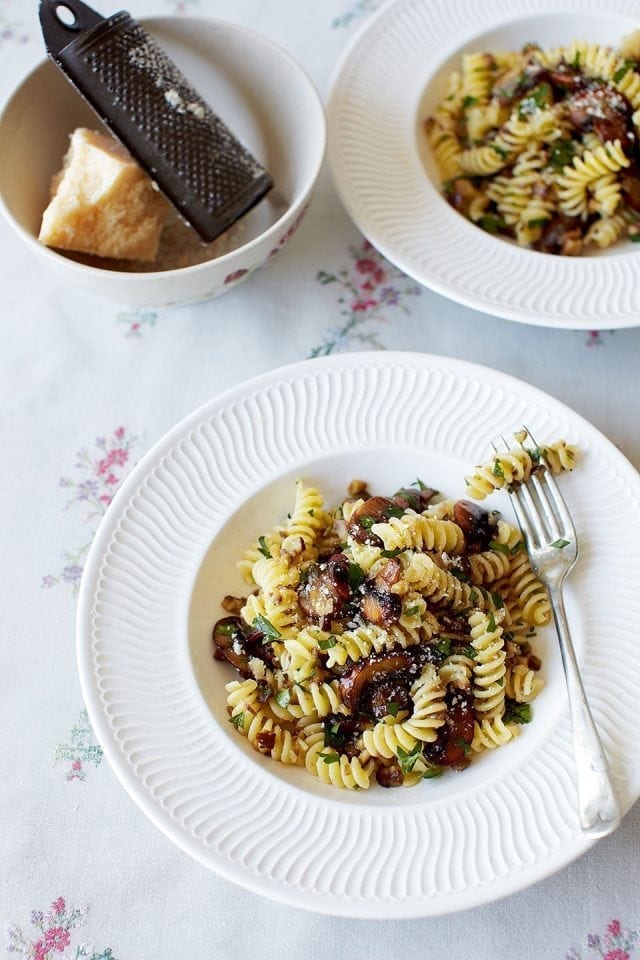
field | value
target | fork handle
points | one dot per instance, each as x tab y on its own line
597	801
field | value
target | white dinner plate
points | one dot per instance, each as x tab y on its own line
389	79
165	555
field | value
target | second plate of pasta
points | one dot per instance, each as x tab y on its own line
493	155
236	745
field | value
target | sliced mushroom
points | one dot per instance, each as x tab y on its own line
478	525
374	510
354	683
452	747
392	691
380	606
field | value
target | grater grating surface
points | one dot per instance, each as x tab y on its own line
140	93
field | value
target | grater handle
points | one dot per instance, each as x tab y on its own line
57	33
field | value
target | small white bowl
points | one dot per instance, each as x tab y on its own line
257	89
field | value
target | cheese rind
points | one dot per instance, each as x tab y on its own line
103	203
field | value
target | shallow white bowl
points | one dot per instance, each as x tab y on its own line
257	89
389	79
165	555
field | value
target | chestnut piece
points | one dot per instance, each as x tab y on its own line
478	525
266	741
356	680
389	776
414	498
230	643
389	574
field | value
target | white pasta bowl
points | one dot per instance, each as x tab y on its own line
165	555
390	78
254	86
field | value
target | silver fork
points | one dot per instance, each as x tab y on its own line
553	549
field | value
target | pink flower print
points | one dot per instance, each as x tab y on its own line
361	305
58	905
366	265
57	938
119	433
119	456
40	951
106	499
614	928
617	954
111	479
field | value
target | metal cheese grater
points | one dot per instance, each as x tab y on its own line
140	94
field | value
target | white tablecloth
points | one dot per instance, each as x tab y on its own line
86	388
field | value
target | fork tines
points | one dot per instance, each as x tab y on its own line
538	504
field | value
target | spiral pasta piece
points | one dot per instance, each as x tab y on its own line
319	699
606	231
477	76
488	566
505	469
416	532
308	517
457	671
429	708
385	738
481	161
332	768
522	684
529	592
303	647
489	669
560	456
492	733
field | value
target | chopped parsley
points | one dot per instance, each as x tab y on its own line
226	629
366	522
408	760
238	720
634	237
497	470
469	651
393	708
412	611
267	629
517	712
333	736
432	771
419	484
283	698
491	222
464	746
623	70
469	102
390	554
330	757
459	574
443	646
311	513
520	545
356	576
503	154
473	596
540	97
560	544
539	222
263	548
327	644
500	547
491	626
393	510
498	602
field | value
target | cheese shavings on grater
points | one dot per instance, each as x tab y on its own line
141	95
